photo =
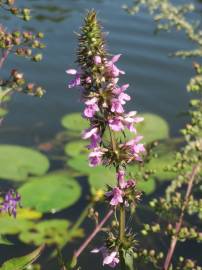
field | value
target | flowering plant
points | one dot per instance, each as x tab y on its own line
104	98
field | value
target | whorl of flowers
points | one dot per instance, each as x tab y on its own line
10	203
104	98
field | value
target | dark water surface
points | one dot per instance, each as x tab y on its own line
157	82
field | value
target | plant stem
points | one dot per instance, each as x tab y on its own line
180	221
82	217
93	234
122	236
4	56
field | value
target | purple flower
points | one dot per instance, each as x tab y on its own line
93	135
97	60
88	79
109	257
116	124
116	106
130	183
123	97
136	147
115	196
77	78
91	107
113	70
130	120
10	203
95	157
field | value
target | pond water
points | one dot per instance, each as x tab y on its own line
157	81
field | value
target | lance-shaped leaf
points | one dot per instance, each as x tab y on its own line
22	262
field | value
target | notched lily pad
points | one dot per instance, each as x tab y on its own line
17	162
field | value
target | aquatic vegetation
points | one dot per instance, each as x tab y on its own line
140	187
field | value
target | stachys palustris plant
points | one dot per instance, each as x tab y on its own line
104	98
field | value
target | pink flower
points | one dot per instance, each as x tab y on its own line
77	78
130	120
88	79
95	157
116	106
116	124
91	108
115	196
130	183
109	257
97	60
136	147
93	135
113	70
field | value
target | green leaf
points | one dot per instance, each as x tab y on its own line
100	177
3	112
148	186
10	225
49	232
17	162
153	128
129	261
165	157
80	163
74	122
22	262
4	241
76	148
54	192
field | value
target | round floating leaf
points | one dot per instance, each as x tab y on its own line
153	127
148	186
80	163
26	213
76	148
49	232
100	177
165	157
54	192
74	122
10	225
17	162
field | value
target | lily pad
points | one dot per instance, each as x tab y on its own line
102	177
76	148
166	157
153	128
17	162
49	232
54	192
148	186
10	225
74	122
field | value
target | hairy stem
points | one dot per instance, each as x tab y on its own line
4	56
180	221
122	235
93	234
